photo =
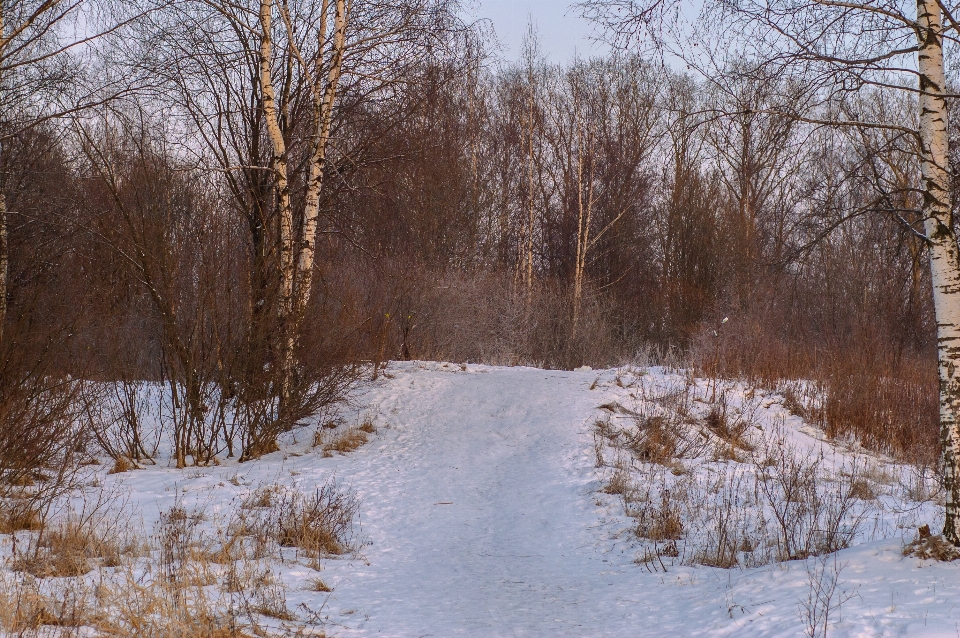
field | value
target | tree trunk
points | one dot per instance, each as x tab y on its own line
323	118
4	261
944	257
278	163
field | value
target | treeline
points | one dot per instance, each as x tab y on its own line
255	205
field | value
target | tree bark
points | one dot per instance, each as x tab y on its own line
4	260
278	163
323	118
944	256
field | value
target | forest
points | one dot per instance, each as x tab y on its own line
253	207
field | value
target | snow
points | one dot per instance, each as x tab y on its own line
482	514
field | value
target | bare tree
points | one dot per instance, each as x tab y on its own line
837	49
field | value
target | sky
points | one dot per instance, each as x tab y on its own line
561	29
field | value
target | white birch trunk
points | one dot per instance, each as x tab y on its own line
584	219
278	163
4	260
944	257
323	116
4	243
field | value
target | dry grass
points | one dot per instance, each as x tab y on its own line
766	502
861	489
930	547
19	515
25	607
659	521
317	584
730	431
619	483
862	387
120	465
72	548
263	496
320	524
272	602
188	580
346	442
654	441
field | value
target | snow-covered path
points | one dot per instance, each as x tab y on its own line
515	551
483	514
482	507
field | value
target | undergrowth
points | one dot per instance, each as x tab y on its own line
710	476
85	574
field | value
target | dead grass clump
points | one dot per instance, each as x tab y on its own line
795	404
724	556
261	497
19	515
731	431
862	490
317	584
927	546
182	555
321	524
661	521
272	603
72	548
619	483
25	607
726	451
120	465
368	427
654	441
346	442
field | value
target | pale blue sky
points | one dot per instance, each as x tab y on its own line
562	30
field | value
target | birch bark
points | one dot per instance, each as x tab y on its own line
944	257
323	101
278	163
4	245
4	259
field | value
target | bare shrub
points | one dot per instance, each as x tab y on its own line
320	524
730	535
115	414
40	435
823	600
810	519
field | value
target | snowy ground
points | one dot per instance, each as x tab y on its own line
482	514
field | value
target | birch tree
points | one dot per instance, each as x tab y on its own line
264	85
322	73
837	49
